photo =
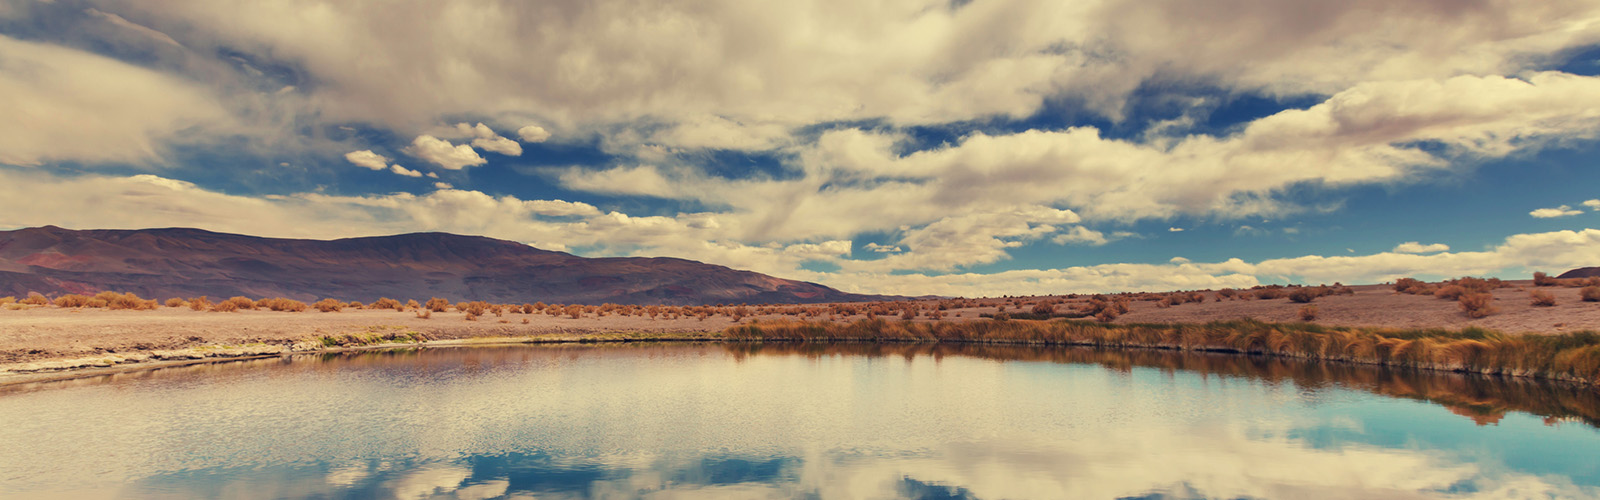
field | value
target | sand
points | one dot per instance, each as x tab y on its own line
51	338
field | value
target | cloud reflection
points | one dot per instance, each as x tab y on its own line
714	422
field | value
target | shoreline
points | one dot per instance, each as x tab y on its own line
73	369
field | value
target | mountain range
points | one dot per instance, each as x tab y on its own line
182	262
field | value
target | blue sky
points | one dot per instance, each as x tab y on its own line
977	148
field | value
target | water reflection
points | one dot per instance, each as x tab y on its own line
792	421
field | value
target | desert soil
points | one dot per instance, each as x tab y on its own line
42	334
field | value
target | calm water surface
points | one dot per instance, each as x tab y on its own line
713	421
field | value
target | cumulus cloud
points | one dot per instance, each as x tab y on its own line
878	248
396	168
1550	213
486	139
910	61
368	159
1414	247
533	133
92	201
444	154
442	185
1593	205
1079	235
969	239
64	104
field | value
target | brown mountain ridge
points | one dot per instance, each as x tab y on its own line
183	262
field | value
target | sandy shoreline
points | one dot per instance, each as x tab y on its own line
53	340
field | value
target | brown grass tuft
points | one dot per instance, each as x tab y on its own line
282	304
388	303
200	303
72	300
1541	298
234	304
328	305
1308	312
176	302
1542	279
1477	305
438	305
1590	294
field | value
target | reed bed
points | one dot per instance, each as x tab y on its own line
1571	357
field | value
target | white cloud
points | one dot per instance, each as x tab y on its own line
396	168
1550	213
603	63
140	29
533	133
444	154
486	139
883	248
89	201
1593	205
1079	235
1174	229
1414	247
963	240
63	104
368	159
443	185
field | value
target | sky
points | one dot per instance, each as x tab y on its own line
962	148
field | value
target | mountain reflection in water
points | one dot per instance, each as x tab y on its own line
795	421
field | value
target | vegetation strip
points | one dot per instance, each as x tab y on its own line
1573	357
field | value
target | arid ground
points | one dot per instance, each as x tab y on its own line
42	337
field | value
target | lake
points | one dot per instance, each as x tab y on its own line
794	421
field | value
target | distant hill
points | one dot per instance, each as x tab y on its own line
161	263
1582	272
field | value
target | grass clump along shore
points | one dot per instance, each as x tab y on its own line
1569	356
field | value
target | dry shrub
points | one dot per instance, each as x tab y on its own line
34	299
328	305
474	308
1269	293
1403	285
388	303
438	305
1540	298
72	300
1304	295
1542	279
7	300
471	316
412	304
176	302
424	314
355	304
1045	307
200	303
282	304
1477	305
1590	294
1450	292
1308	312
114	300
234	304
